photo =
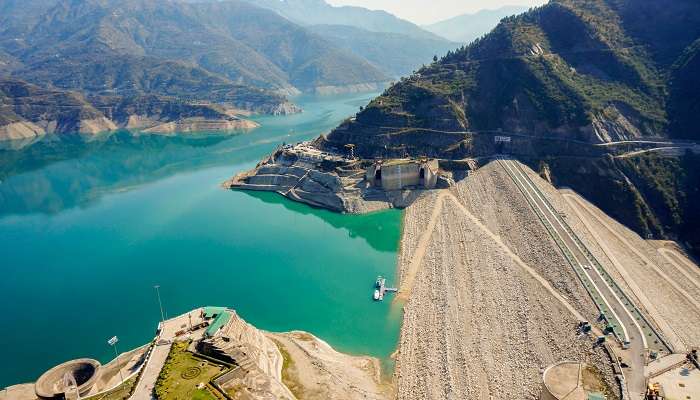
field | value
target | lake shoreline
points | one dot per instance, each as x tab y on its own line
290	364
147	209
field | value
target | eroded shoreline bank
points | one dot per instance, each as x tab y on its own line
285	365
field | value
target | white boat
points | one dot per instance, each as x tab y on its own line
376	294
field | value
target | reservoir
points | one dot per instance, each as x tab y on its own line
87	228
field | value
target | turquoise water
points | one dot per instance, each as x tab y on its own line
87	229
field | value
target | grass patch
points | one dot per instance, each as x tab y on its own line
594	380
183	372
289	372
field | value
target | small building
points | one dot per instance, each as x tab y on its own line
403	174
219	317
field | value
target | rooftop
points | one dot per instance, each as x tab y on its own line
210	312
221	320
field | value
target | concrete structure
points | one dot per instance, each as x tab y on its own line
565	381
403	174
57	383
679	383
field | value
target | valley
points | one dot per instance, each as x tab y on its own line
528	195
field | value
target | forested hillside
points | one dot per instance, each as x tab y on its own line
562	78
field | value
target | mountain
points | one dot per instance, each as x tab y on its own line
468	27
230	41
565	82
395	46
396	54
318	12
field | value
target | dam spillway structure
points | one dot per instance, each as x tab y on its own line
402	174
571	380
70	380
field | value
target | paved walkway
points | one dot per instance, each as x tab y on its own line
586	216
147	383
664	364
169	330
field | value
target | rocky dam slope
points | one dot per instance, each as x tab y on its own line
491	300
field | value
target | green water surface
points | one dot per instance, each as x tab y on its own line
88	228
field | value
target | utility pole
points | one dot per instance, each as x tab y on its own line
113	342
160	304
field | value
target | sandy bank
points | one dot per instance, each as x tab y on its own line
202	125
314	370
27	130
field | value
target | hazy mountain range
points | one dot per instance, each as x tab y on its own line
468	27
395	46
318	12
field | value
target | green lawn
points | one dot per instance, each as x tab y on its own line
183	372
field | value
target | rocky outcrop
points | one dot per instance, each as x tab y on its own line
356	88
296	175
285	108
28	111
202	125
95	125
20	130
258	361
319	372
615	123
293	365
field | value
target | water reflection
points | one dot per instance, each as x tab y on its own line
52	174
377	236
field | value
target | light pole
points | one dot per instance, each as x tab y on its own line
113	342
160	304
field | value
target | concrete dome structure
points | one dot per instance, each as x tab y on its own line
565	381
52	384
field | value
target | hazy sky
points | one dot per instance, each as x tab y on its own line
429	11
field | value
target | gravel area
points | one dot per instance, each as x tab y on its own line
674	297
415	219
486	314
492	196
315	371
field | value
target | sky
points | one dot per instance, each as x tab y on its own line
424	12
